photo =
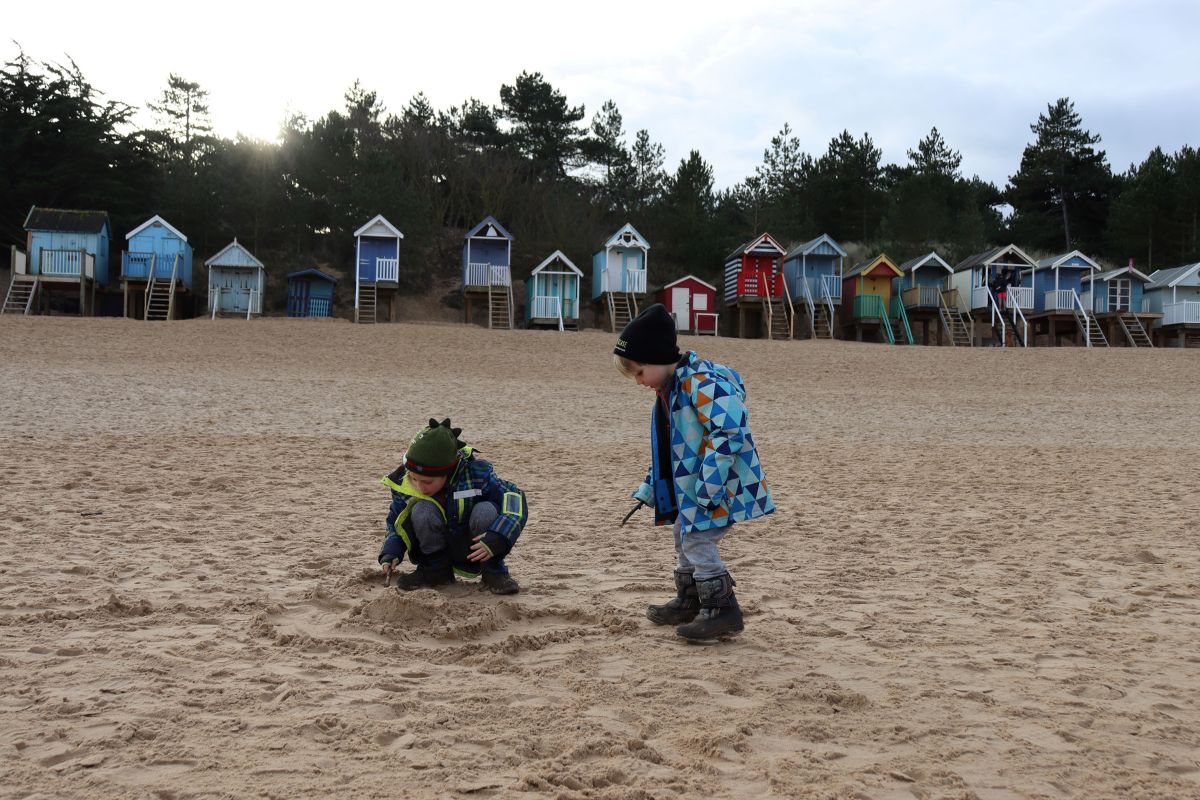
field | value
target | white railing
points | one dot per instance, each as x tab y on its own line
387	269
546	307
1062	300
831	285
994	307
250	303
477	274
980	297
635	280
808	303
68	263
253	301
1020	324
500	276
216	301
1082	317
19	262
921	296
1019	296
318	307
1185	312
827	299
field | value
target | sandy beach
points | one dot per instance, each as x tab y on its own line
983	580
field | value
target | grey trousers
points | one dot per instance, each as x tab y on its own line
697	552
429	526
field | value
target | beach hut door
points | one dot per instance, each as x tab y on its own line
681	307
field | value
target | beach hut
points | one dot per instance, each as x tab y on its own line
155	266
1175	293
619	275
236	280
487	272
867	302
1057	284
1116	299
813	274
310	293
552	293
692	302
377	269
66	256
755	291
970	291
921	290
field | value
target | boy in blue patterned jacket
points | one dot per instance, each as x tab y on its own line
704	470
451	514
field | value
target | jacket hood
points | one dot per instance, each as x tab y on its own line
702	366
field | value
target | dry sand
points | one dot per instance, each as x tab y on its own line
982	581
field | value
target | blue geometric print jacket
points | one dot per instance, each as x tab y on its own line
714	468
473	481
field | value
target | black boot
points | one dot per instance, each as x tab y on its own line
500	582
719	615
683	608
430	572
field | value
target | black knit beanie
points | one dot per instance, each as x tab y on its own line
434	450
649	338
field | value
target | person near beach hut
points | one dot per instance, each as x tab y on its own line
704	473
451	514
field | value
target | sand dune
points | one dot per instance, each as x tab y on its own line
981	582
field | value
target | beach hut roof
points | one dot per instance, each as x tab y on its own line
491	221
929	258
1104	277
314	272
754	244
1168	278
234	255
378	219
867	266
634	239
994	256
560	256
64	219
1057	261
811	245
690	278
151	221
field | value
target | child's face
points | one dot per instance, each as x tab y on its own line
653	375
427	484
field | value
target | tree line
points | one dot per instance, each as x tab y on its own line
559	180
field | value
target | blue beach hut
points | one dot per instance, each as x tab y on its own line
920	290
1116	297
619	275
236	280
67	255
813	273
156	264
487	271
552	293
1175	293
377	270
310	293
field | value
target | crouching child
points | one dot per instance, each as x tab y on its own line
451	514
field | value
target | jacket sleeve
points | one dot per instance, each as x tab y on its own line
645	492
502	534
395	543
723	415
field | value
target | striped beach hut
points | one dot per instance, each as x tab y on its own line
310	293
552	294
755	292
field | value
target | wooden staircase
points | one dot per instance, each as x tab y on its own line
822	324
500	307
20	297
160	299
1091	333
775	312
1135	332
955	323
368	298
621	309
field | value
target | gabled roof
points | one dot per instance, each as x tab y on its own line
557	254
151	221
1104	277
1053	262
867	266
379	219
690	278
63	219
989	257
488	220
753	244
313	271
811	245
234	255
1167	278
635	239
920	261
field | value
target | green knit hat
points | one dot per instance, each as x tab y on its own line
434	450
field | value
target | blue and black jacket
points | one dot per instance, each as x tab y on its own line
472	481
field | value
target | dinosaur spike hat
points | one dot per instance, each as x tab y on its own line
434	450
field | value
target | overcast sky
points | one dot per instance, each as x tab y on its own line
721	78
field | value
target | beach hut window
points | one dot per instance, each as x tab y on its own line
1118	294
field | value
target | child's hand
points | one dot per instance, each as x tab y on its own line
479	550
